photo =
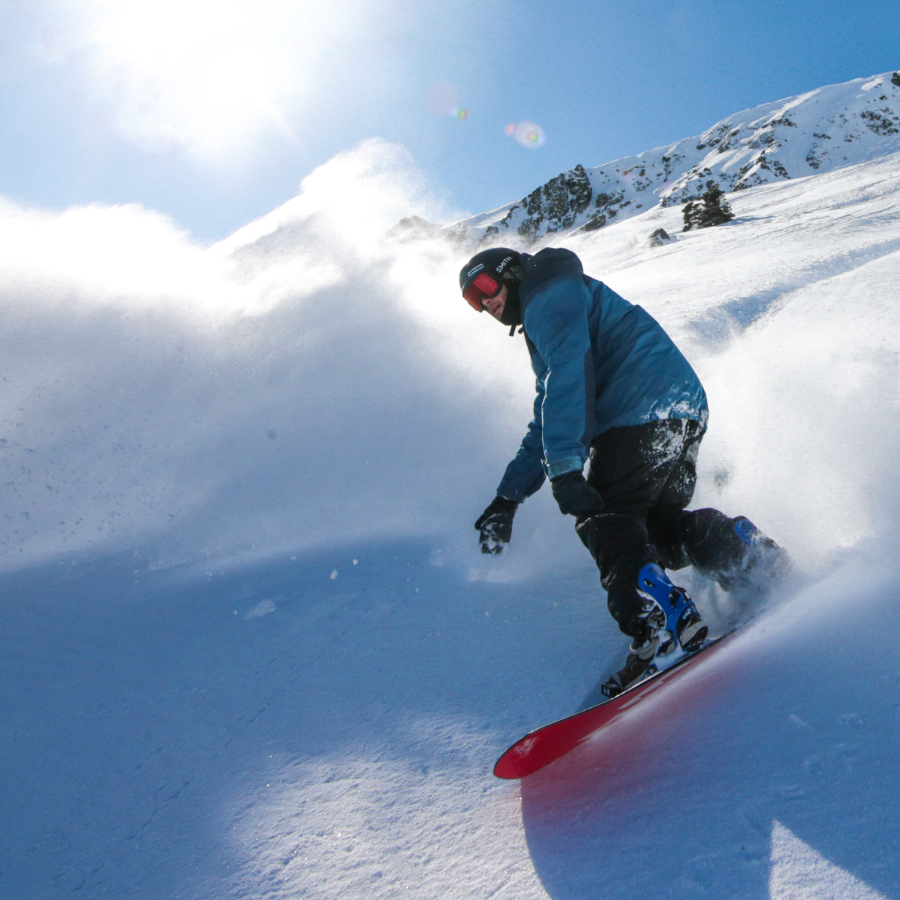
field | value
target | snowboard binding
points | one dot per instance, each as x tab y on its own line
671	611
682	621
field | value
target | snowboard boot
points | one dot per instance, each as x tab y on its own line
641	654
649	626
691	632
668	616
733	551
761	564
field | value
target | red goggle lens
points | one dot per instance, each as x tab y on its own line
481	288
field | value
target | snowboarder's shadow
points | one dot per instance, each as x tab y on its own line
730	782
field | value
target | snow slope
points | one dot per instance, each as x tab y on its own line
249	648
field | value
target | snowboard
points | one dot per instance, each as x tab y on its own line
545	745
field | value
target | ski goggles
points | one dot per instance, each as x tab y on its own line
482	287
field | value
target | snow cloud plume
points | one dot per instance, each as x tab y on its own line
307	380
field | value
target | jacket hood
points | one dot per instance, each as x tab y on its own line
544	266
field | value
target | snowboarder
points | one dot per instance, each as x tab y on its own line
614	390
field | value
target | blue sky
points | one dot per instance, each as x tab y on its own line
213	112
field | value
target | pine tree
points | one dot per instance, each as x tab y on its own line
710	209
691	213
717	210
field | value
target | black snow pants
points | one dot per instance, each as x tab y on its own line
646	475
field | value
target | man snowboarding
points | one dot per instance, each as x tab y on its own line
614	390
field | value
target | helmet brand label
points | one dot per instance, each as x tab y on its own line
503	265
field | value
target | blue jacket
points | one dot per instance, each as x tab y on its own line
600	363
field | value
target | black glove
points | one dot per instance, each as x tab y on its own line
575	496
495	524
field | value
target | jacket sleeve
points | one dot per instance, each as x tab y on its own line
556	320
525	474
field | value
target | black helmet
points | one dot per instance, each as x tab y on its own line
485	273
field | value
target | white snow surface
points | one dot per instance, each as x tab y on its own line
250	648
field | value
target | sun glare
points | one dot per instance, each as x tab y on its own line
207	76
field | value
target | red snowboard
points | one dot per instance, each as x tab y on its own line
542	747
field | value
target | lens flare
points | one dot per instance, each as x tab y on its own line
443	100
511	129
529	134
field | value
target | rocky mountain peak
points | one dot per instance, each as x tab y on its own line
821	130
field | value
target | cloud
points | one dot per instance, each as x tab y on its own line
305	381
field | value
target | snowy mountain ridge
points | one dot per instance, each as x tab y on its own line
816	132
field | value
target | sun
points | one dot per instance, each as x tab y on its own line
205	76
